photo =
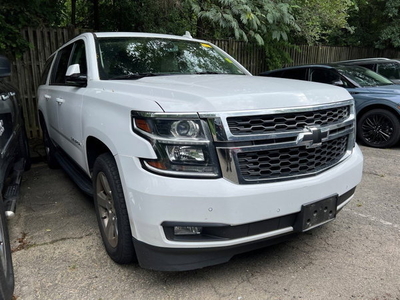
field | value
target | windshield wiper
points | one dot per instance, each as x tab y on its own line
208	72
134	76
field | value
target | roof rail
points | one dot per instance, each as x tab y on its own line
364	59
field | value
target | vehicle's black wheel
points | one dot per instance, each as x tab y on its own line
6	266
378	128
49	148
23	149
111	211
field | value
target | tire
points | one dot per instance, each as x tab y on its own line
111	211
23	149
6	266
378	128
49	148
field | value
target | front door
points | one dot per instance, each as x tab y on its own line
67	102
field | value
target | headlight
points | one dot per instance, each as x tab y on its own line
185	128
182	143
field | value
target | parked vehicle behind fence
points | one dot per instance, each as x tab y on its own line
377	99
190	159
14	159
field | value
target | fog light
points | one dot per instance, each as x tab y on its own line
187	230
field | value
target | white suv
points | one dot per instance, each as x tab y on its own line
190	159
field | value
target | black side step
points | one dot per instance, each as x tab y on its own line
11	194
76	174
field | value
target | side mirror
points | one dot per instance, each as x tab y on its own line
5	66
74	77
338	83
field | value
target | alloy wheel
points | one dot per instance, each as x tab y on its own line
106	209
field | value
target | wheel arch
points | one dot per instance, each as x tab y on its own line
367	108
94	148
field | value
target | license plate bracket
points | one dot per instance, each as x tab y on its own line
315	214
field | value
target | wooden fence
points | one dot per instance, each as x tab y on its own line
27	70
250	55
325	54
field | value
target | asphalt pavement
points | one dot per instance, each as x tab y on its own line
58	253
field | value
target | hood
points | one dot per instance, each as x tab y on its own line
215	93
383	89
385	92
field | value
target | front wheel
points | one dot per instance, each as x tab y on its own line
6	267
111	211
378	128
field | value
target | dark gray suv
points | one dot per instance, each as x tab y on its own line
377	99
14	159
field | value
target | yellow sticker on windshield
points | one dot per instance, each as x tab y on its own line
228	60
206	45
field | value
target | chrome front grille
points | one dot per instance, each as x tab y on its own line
295	162
282	144
244	125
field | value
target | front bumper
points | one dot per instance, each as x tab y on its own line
256	215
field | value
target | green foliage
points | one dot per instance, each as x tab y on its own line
317	19
389	35
257	20
375	24
18	14
163	16
275	55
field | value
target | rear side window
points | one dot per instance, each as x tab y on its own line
46	70
295	74
368	66
324	76
276	74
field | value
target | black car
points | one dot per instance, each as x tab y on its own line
389	68
14	159
377	99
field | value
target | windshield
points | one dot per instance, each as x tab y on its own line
364	77
137	57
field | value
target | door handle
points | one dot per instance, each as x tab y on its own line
60	100
5	96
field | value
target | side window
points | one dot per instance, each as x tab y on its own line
79	56
369	66
295	74
46	70
277	74
324	76
61	65
389	70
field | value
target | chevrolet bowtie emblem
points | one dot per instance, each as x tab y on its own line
312	137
